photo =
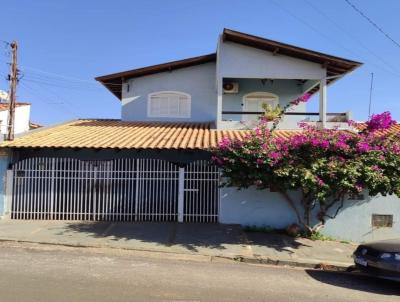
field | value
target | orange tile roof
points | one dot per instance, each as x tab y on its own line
394	129
116	134
5	106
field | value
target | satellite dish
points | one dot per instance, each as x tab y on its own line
4	95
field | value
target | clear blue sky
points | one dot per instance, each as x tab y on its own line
64	39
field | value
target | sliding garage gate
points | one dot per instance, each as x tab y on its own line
115	190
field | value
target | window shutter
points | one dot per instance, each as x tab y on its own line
169	104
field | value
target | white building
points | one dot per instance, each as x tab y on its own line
21	121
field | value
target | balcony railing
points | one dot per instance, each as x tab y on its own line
240	119
286	113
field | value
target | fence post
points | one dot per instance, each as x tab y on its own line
181	193
8	193
52	188
137	164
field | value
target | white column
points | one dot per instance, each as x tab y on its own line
219	102
322	103
181	193
8	195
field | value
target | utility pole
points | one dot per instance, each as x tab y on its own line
370	94
13	78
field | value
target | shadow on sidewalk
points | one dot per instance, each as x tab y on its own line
357	282
278	242
191	236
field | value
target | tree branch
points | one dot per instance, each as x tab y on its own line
292	205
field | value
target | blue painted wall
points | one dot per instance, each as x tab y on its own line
251	207
353	222
4	161
287	90
198	81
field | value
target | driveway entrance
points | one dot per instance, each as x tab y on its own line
114	190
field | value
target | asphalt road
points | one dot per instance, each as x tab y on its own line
43	273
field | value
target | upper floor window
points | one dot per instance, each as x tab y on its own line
169	104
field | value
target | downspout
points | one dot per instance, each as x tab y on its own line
219	86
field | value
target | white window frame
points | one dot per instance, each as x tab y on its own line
274	98
271	96
157	93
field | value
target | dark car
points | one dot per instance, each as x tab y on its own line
380	258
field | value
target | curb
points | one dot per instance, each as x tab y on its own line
326	266
314	264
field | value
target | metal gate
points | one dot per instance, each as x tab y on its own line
114	190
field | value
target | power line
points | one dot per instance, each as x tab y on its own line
312	27
57	84
328	38
47	100
63	100
67	78
63	80
58	75
389	66
372	22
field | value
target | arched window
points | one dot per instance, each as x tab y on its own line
254	102
169	104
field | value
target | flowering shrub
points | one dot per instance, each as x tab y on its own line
380	121
301	99
324	165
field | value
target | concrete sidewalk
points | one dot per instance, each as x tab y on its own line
214	240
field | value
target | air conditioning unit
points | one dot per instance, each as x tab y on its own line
231	87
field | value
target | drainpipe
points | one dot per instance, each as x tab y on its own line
219	104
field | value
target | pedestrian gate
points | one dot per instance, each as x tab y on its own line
114	190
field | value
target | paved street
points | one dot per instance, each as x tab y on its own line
32	272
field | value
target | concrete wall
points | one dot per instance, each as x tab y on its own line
264	208
240	61
22	117
254	207
198	81
353	222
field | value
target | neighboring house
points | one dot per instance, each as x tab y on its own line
153	163
22	118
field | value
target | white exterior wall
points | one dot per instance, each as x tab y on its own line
21	122
240	61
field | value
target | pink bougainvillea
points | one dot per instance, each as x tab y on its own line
302	99
325	165
380	121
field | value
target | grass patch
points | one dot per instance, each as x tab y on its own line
319	236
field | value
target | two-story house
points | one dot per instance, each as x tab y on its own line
230	86
153	163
